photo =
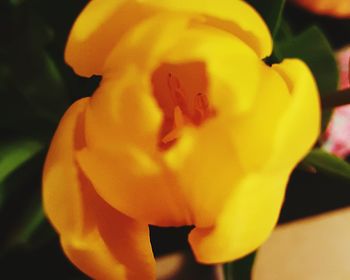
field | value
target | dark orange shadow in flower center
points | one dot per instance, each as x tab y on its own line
181	91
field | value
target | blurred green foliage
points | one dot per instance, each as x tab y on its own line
312	47
271	12
330	164
36	87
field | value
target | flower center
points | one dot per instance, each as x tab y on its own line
181	91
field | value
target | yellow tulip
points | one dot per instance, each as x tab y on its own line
188	127
336	8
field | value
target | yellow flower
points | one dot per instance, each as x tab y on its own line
336	8
188	127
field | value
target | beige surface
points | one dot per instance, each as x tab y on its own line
316	248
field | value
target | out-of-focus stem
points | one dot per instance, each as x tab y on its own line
339	98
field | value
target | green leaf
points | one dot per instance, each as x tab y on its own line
32	229
16	113
14	154
327	163
313	48
271	12
42	86
38	79
29	72
28	226
284	32
240	269
31	222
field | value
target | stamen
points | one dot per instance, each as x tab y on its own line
181	93
201	108
177	94
179	122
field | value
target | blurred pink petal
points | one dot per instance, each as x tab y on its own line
343	66
338	132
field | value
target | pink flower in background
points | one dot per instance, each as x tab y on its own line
343	66
338	132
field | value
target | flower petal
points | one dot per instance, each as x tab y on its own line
300	126
97	29
254	133
116	247
62	200
206	167
90	255
122	159
241	144
246	221
237	17
137	185
121	111
252	209
233	67
86	224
